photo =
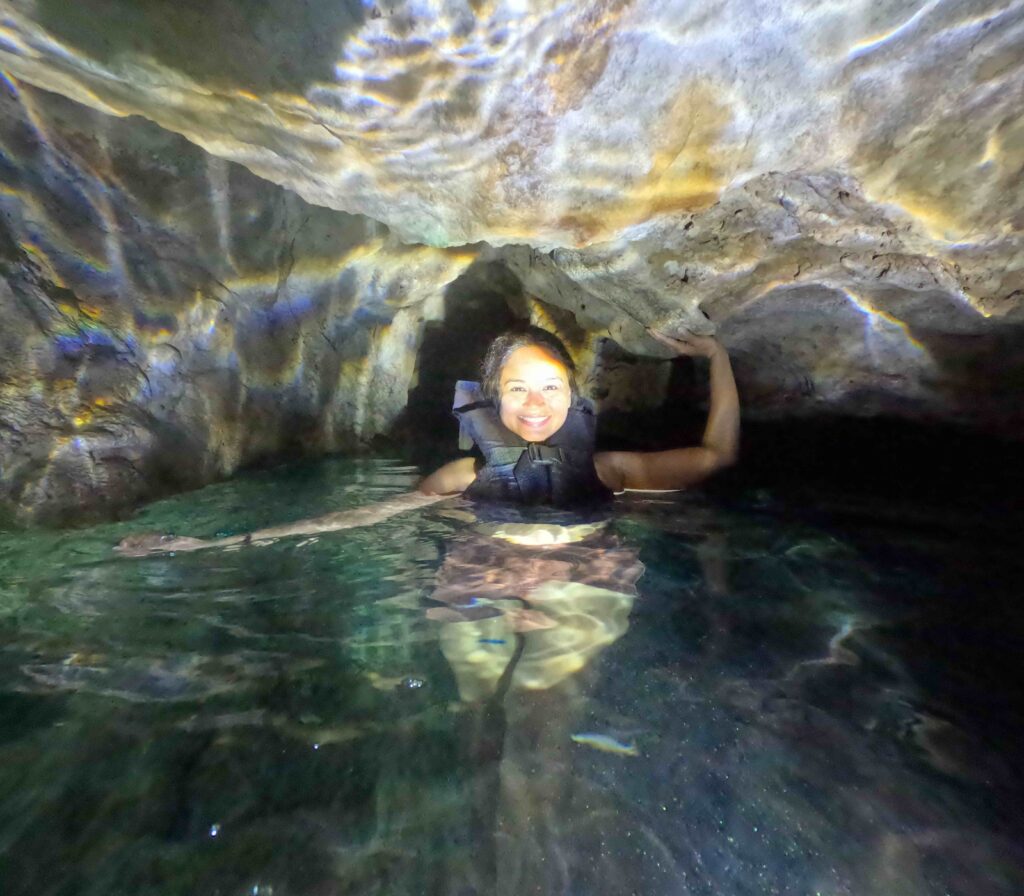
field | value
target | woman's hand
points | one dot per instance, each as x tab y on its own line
688	343
155	542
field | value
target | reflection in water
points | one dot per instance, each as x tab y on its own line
535	614
427	708
527	610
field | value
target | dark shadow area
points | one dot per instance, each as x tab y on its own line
970	477
960	559
982	373
939	510
850	469
901	494
255	45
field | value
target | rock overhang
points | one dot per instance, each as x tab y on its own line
835	190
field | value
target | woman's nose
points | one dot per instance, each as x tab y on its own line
534	397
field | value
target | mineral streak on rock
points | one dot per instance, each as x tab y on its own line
836	189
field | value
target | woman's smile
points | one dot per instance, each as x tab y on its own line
535	424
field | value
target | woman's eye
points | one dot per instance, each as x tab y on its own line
515	389
552	387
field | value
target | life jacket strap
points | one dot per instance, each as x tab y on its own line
545	454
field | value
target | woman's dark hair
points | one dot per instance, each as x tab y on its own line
501	349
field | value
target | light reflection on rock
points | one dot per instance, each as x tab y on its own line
168	318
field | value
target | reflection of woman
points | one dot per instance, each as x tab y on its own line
536	435
525	612
546	610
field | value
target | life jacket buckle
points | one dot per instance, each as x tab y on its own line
544	454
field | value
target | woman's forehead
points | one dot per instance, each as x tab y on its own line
533	362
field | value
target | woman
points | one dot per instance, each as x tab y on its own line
537	437
529	383
526	608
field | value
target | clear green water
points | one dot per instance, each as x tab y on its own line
769	708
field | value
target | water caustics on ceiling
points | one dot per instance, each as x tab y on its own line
834	188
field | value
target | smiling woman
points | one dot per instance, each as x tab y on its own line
535	394
537	434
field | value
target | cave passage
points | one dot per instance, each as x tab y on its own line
247	247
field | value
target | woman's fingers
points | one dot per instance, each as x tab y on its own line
684	344
156	542
662	338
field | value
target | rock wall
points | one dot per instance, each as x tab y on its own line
168	317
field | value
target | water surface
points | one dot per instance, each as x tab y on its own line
703	697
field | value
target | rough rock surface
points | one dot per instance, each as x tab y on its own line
168	317
837	190
562	124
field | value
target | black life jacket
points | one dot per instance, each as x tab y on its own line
556	473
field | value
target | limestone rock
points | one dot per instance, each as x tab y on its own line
760	163
167	317
563	124
827	304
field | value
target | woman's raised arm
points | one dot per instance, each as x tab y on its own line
684	467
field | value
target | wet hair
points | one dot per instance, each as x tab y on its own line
501	349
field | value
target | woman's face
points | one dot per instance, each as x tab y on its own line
535	394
